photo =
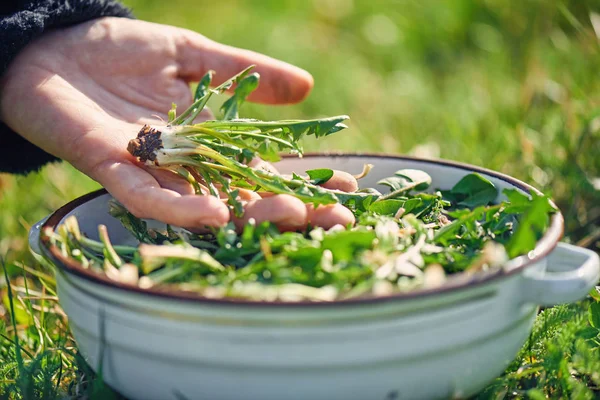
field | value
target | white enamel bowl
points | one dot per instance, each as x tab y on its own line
442	343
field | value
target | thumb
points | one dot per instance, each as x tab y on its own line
280	82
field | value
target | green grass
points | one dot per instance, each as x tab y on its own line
511	86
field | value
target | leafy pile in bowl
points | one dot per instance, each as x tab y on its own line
412	237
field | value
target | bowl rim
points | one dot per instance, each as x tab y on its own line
544	246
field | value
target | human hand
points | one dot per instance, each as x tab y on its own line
82	93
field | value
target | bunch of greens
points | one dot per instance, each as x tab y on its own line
411	237
216	152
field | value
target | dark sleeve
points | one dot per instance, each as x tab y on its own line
21	21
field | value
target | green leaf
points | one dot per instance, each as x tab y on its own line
595	293
319	176
203	85
589	332
306	257
364	205
232	195
136	226
472	191
449	230
354	200
594	315
407	179
234	79
231	106
416	176
394	182
290	130
530	226
386	207
359	202
204	93
516	197
422	204
536	394
404	182
372	191
345	244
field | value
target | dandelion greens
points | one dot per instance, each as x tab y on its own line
411	237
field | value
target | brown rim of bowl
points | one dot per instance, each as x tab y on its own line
544	246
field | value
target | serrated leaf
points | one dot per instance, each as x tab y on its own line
290	130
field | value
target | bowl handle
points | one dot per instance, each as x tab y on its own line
34	237
571	273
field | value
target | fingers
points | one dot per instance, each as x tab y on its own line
142	195
342	181
258	163
280	82
285	211
290	214
248	195
329	215
170	180
279	208
164	196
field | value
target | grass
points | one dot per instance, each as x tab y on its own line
510	86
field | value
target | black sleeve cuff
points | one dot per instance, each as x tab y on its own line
18	29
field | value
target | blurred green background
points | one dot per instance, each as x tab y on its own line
508	85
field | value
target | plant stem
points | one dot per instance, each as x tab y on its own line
396	192
99	247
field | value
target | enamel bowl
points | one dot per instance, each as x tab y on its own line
445	342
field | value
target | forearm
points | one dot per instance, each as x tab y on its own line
20	23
